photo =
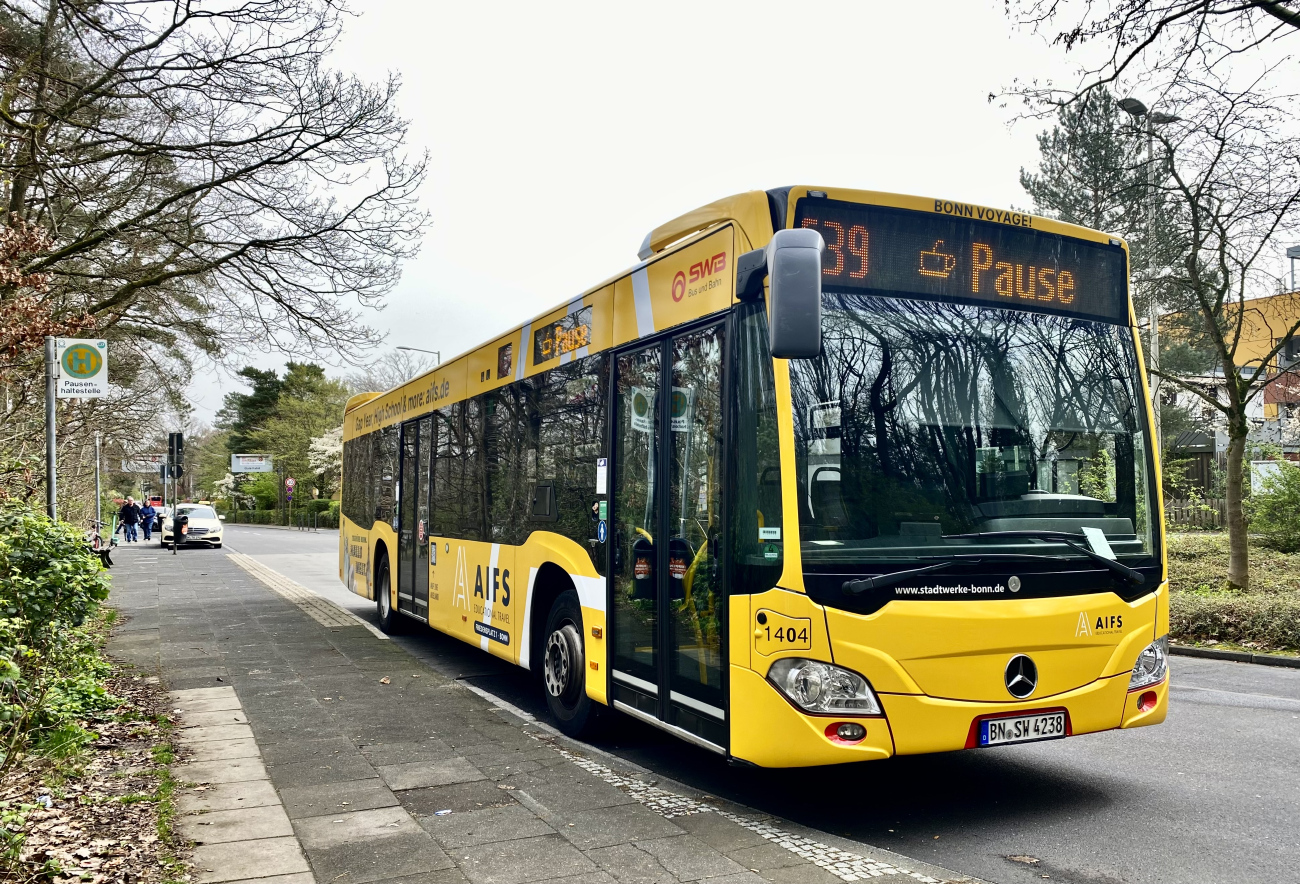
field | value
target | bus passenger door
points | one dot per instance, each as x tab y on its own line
413	539
668	602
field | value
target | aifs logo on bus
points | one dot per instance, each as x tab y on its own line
707	273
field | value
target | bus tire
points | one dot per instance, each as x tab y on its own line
389	619
564	669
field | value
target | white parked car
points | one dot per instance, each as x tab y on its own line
205	526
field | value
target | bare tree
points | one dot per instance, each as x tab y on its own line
201	171
1228	178
1181	38
182	177
390	370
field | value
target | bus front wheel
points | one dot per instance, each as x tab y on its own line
564	668
388	618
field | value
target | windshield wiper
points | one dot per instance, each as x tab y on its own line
1071	540
857	587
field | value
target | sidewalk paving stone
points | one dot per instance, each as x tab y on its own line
457	797
307	750
308	801
688	858
386	753
421	774
248	859
216	718
218	733
491	825
299	878
227	796
215	704
329	769
245	824
227	770
616	825
522	861
632	865
371	845
216	750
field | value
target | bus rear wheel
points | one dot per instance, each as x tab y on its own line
564	669
388	618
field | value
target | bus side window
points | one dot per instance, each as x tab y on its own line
757	541
570	416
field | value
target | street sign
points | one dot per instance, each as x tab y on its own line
251	463
81	368
289	483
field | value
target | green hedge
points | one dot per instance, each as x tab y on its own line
325	516
256	517
1267	621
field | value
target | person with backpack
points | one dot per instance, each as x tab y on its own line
147	515
129	515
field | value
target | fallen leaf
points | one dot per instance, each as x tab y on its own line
385	680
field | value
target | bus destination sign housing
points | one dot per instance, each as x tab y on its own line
943	257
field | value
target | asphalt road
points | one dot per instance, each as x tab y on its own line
1213	795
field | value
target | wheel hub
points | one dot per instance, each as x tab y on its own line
558	663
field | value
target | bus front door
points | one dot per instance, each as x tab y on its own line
413	536
669	608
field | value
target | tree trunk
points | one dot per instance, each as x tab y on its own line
1238	556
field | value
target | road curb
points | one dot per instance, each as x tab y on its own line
1236	656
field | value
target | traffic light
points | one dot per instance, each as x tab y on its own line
176	453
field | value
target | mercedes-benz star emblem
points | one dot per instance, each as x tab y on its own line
1021	677
1014	584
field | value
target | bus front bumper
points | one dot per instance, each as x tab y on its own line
766	730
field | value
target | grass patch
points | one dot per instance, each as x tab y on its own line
1204	610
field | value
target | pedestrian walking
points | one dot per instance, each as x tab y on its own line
147	515
130	518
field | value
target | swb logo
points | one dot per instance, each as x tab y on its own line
699	270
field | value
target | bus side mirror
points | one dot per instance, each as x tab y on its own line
794	269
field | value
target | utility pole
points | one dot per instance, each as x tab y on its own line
51	452
1138	110
99	516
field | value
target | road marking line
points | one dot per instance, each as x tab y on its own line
322	610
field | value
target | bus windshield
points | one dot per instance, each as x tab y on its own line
925	419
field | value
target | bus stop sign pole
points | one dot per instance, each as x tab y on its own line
50	450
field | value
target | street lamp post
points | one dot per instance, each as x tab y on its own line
437	353
1138	110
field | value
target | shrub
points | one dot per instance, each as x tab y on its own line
1274	511
1262	621
50	669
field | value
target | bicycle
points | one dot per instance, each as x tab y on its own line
98	545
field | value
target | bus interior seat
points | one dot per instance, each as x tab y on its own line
828	499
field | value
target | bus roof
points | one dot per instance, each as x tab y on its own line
658	292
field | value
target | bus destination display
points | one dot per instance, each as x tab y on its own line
940	256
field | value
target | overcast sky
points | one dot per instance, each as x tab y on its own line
561	133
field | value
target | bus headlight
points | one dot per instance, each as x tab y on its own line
1152	665
823	688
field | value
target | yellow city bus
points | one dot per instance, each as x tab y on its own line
828	476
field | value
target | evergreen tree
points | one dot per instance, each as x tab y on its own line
242	414
1092	168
